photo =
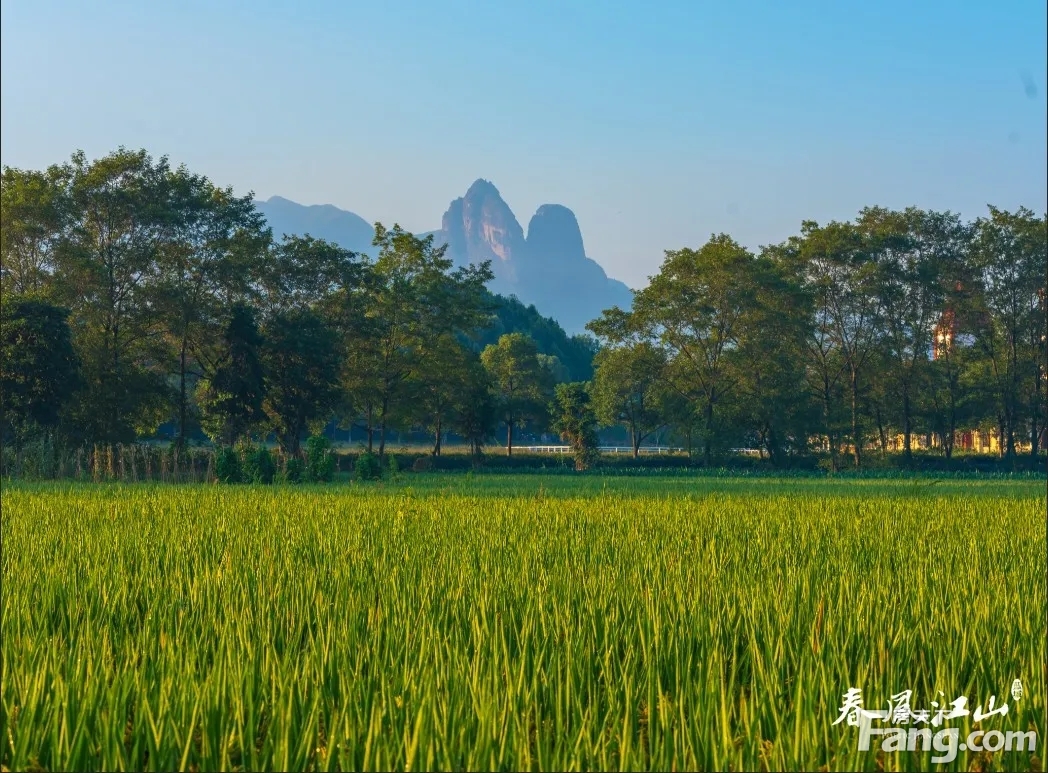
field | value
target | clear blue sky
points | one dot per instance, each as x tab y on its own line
657	123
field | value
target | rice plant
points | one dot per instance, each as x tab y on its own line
462	624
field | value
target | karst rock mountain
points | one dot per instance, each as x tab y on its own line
547	266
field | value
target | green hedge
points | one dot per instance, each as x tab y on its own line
147	462
623	464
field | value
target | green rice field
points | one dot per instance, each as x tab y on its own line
517	622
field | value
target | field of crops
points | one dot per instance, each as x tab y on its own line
512	623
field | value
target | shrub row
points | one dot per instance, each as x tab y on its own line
248	463
320	463
873	465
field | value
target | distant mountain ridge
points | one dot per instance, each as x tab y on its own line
546	267
322	221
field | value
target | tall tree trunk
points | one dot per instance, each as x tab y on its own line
772	442
292	442
509	438
707	441
856	440
634	440
371	429
831	441
951	424
182	400
382	428
436	442
882	432
907	429
1010	430
115	386
1038	407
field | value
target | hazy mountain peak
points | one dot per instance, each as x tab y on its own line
483	188
547	268
323	221
480	226
554	234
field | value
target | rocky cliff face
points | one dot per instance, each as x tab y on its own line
554	236
548	268
480	226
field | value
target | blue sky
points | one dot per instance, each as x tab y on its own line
657	123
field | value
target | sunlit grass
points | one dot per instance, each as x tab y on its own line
459	623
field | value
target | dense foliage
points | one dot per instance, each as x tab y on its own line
137	297
840	339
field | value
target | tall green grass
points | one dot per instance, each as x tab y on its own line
456	627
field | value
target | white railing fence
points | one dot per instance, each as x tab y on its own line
602	449
626	450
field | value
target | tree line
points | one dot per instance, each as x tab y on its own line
135	294
840	338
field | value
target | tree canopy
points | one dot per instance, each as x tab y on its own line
136	296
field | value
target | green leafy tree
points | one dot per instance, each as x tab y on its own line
231	400
918	256
509	315
520	383
575	422
108	260
684	425
1012	259
880	404
213	253
439	385
953	395
320	460
475	414
301	362
39	369
842	277
305	273
227	466
773	405
628	389
823	364
697	307
414	297
302	272
34	210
